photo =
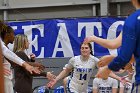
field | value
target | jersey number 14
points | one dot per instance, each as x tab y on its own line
83	76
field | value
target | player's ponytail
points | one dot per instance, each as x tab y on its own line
90	48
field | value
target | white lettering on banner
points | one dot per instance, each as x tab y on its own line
34	42
89	26
14	27
63	38
112	35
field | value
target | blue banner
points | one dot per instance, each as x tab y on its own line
62	37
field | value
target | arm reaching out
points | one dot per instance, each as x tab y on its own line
63	74
111	44
105	60
14	58
30	68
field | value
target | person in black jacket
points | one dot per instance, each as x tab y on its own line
23	79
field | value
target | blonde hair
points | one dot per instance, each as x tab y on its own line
20	42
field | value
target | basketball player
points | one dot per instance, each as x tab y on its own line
83	66
108	85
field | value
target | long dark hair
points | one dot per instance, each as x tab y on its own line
2	27
5	31
90	46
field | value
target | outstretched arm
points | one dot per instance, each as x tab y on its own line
129	43
111	44
62	74
14	58
105	60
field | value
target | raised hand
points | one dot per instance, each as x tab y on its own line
30	68
105	60
103	72
32	56
88	39
124	80
39	65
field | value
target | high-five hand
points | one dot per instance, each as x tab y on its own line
103	72
30	68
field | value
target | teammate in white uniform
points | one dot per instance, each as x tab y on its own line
108	85
82	67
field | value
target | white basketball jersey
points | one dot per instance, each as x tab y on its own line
105	86
82	70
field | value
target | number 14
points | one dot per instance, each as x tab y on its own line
83	76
